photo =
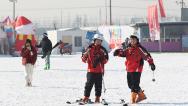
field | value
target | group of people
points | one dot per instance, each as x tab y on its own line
96	56
29	56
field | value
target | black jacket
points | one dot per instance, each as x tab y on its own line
46	45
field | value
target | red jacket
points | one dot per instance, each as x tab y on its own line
97	56
134	58
30	57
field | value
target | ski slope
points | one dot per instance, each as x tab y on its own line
66	80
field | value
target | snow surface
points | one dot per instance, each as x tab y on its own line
66	80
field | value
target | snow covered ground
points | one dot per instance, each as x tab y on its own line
66	80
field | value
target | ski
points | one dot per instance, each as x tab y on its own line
57	44
104	102
74	102
122	102
88	102
79	102
125	104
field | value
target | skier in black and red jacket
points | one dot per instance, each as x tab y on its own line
96	56
135	55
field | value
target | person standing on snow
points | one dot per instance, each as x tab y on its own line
3	40
135	55
95	56
46	45
29	57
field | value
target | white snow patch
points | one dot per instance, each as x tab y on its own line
66	80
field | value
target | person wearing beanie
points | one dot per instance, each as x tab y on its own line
46	46
45	34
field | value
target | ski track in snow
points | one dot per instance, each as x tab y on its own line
66	80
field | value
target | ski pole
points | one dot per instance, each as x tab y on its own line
153	79
103	84
103	99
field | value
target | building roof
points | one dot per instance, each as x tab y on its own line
89	28
162	24
80	28
65	29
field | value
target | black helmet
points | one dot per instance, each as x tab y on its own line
135	37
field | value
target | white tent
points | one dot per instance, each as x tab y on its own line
74	36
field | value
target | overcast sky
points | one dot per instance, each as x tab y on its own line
50	9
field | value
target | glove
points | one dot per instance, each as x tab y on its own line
152	67
31	53
116	52
87	52
43	56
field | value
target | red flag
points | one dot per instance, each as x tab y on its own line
162	11
153	23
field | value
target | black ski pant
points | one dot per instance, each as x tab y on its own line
133	80
93	79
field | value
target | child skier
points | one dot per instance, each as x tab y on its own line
135	55
29	57
96	56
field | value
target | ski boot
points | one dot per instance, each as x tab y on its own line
133	97
141	96
29	84
47	67
84	101
97	99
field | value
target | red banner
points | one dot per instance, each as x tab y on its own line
161	7
154	27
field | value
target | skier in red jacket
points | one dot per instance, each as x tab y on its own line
135	55
95	56
29	55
